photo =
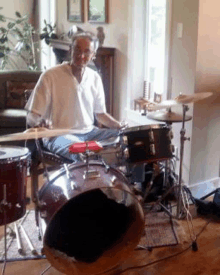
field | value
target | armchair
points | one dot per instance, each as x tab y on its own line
12	101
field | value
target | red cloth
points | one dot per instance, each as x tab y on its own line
81	147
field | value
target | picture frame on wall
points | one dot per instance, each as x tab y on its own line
98	11
75	11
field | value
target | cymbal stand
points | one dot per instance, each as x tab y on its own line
42	159
182	140
3	207
167	167
35	189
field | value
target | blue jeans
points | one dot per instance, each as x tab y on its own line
60	145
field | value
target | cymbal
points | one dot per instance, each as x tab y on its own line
186	99
164	104
36	133
168	117
181	99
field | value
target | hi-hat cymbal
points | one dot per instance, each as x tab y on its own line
168	117
180	100
36	133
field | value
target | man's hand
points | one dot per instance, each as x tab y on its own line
124	125
34	120
46	123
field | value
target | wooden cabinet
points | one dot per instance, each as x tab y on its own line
104	63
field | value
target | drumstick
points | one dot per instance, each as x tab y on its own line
18	238
33	250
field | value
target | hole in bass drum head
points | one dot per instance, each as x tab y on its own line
88	225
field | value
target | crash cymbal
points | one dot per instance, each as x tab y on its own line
36	133
164	104
186	99
168	116
179	100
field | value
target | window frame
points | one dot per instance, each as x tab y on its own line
167	84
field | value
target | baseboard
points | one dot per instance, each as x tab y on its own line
203	188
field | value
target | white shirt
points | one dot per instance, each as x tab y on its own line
66	103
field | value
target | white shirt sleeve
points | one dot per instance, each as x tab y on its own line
100	106
40	98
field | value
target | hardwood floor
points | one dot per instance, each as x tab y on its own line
178	260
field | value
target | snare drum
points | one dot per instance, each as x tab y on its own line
14	162
93	220
148	143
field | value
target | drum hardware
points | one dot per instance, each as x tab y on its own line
107	167
152	150
182	140
70	177
151	136
4	206
46	174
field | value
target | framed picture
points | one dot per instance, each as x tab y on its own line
75	11
98	11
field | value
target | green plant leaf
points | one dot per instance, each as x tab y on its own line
3	39
54	36
18	32
50	28
3	30
42	36
2	18
11	25
18	14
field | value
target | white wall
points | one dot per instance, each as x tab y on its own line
205	159
183	68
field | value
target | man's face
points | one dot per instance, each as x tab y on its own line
82	52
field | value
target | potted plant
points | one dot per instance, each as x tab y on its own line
19	41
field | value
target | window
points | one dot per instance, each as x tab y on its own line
156	48
47	12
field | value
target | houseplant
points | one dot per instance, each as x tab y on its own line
20	42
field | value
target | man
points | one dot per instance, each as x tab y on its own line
69	95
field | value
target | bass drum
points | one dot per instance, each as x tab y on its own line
93	220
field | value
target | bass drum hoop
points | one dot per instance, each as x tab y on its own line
120	251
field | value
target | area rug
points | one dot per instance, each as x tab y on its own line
29	225
160	230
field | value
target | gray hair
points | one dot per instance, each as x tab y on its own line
88	35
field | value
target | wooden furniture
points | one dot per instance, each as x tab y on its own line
12	101
104	64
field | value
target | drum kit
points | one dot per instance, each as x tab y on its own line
87	212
